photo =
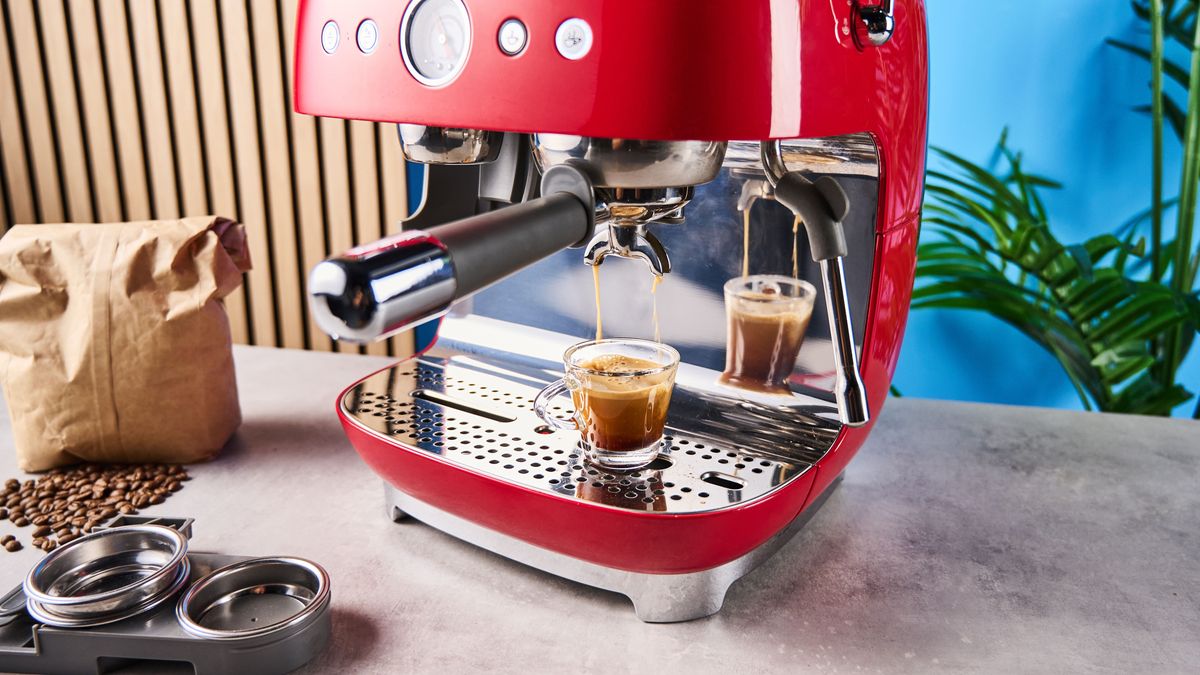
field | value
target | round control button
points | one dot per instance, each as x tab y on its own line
367	36
513	37
573	39
330	37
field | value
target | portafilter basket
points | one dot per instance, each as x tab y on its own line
253	598
107	572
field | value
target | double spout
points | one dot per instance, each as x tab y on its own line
628	239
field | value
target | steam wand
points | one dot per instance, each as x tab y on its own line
822	205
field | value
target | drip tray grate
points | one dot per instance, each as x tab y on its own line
480	416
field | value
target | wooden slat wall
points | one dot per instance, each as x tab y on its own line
119	110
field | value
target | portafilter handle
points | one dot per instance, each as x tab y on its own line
822	205
380	289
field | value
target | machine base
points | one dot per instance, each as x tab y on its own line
657	598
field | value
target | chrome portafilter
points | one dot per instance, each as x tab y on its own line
637	183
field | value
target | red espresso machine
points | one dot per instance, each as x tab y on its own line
595	148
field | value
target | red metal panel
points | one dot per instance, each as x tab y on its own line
651	543
668	69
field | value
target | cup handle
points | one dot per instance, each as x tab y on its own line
541	406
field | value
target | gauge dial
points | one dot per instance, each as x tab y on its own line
435	39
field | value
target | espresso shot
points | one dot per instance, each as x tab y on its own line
625	408
767	317
621	390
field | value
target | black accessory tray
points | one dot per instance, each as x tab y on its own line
154	637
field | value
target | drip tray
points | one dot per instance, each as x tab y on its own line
478	414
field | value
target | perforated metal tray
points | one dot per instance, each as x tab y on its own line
478	414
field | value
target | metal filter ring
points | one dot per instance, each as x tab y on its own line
107	572
228	603
47	613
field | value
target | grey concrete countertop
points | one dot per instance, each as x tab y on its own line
964	538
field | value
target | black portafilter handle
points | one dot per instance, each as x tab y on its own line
371	292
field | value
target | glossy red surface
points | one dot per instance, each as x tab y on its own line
790	69
652	543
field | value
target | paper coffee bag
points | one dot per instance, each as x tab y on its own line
114	342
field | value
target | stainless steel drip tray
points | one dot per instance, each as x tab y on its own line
477	412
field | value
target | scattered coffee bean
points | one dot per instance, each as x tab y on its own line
67	502
13	546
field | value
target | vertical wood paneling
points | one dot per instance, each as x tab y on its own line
243	109
93	89
185	118
156	123
273	111
35	110
123	108
218	153
138	109
306	169
60	72
17	183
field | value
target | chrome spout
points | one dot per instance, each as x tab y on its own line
628	239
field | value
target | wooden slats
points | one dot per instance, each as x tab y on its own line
18	185
185	116
310	206
93	90
209	67
35	109
139	109
60	71
273	112
123	108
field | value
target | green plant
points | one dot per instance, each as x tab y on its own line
1119	311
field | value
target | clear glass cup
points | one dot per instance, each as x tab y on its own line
621	389
767	315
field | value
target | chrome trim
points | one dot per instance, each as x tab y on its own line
627	163
404	45
449	145
403	277
848	386
849	155
657	598
877	23
483	421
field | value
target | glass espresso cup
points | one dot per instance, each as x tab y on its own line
767	317
621	389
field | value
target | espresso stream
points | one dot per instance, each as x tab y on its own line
619	409
653	300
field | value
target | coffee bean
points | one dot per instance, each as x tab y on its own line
41	531
66	539
126	508
3	513
157	499
12	546
7	538
21	522
49	545
40	520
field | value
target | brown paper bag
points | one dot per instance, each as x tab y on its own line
114	342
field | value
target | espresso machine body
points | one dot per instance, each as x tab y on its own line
663	140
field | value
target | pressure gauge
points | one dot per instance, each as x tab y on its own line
435	40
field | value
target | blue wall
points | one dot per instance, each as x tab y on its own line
1043	70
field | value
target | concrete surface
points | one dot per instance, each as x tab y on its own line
964	538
